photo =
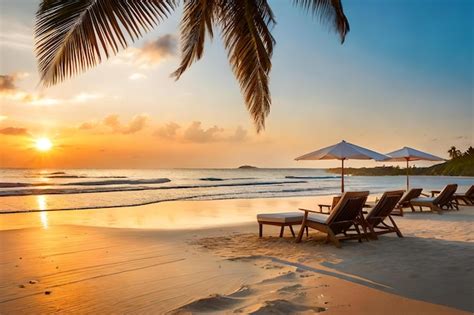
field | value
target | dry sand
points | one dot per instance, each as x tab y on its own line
94	262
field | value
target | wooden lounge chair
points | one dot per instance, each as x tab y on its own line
405	202
467	198
328	208
345	216
383	210
443	201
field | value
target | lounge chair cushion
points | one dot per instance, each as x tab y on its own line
423	200
316	217
284	217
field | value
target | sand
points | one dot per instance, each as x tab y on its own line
205	257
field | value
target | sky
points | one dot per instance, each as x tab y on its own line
403	77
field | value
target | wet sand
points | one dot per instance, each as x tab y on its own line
205	256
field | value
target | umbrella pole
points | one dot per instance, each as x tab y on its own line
408	176
342	176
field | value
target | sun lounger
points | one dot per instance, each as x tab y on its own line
279	219
405	202
345	216
467	198
443	201
383	210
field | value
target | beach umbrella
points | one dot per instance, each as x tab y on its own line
409	154
343	151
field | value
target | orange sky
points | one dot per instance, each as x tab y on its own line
379	92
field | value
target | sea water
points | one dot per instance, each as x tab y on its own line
57	189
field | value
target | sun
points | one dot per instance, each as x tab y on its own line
43	144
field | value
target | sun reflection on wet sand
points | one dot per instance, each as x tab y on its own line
43	214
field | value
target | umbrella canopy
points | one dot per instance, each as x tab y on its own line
343	151
409	154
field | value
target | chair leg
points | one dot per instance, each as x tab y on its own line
372	232
437	209
282	230
260	230
301	231
397	230
333	238
307	232
292	232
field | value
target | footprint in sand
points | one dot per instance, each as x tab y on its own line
285	307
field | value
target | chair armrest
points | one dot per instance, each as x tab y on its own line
312	211
324	206
426	195
435	192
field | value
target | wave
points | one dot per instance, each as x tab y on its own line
212	196
89	183
18	185
51	173
218	179
120	182
55	191
312	177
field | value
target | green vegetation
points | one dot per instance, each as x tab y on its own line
461	164
247	167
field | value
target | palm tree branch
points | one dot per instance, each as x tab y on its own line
198	18
73	35
248	40
328	11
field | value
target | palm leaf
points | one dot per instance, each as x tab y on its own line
247	38
73	35
328	11
198	18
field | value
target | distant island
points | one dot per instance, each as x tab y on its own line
247	167
460	164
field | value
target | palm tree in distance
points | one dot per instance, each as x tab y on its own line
75	35
454	153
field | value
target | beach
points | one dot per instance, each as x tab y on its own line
205	256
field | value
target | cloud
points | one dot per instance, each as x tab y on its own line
136	124
137	76
9	90
88	125
195	133
17	36
168	131
239	135
113	123
7	83
14	131
198	134
150	54
84	97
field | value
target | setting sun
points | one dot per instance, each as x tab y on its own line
43	144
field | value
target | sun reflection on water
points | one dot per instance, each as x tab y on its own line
43	213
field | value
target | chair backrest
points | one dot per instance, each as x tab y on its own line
384	206
470	191
445	195
411	194
347	209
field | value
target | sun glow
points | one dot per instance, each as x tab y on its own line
43	144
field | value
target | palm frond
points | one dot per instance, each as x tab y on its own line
73	35
246	32
198	18
328	11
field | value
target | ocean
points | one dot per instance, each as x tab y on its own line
24	190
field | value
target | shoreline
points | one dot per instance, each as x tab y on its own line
205	256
